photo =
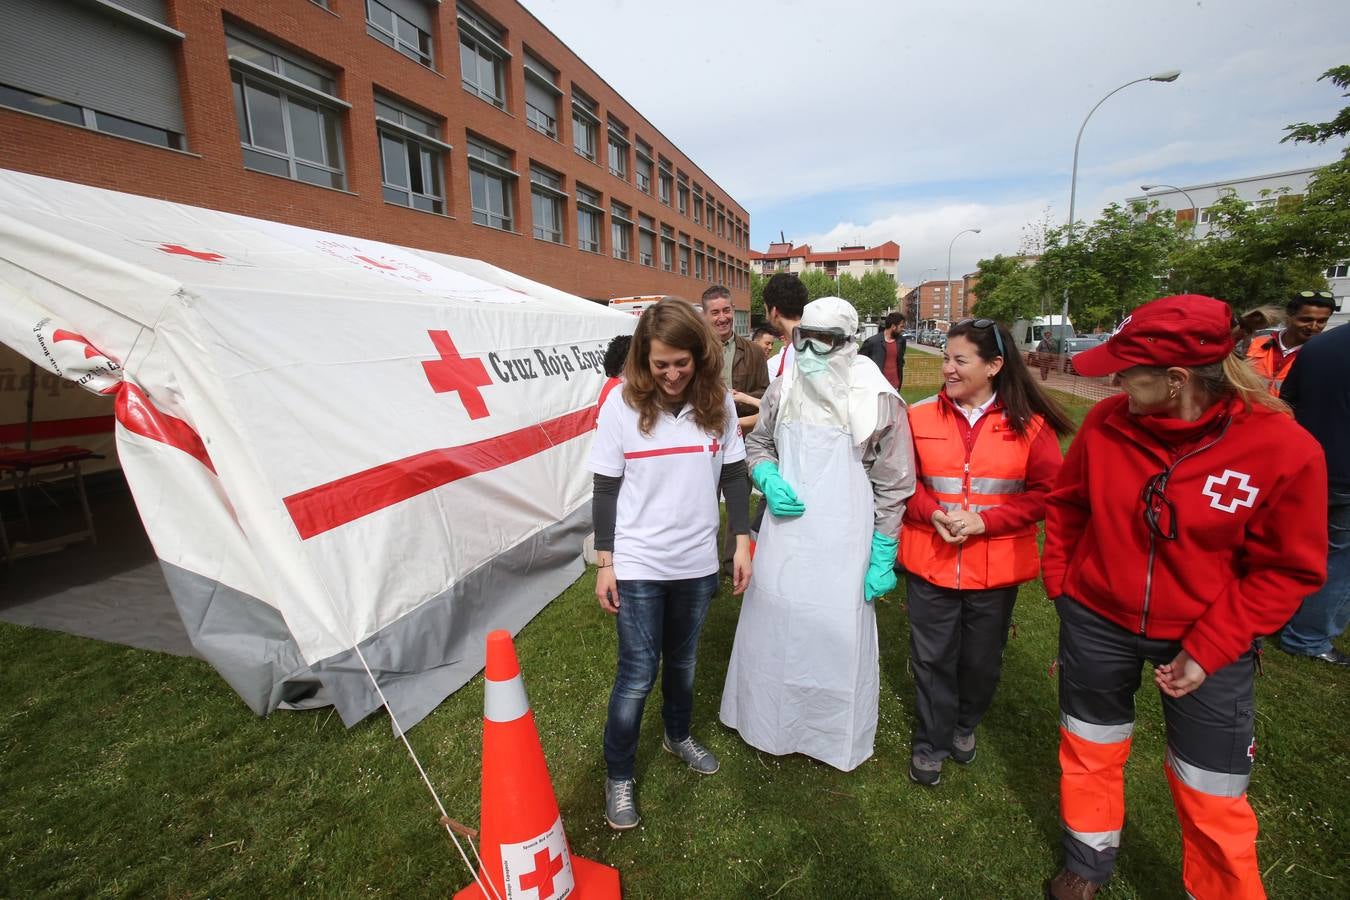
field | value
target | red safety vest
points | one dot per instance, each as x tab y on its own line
990	472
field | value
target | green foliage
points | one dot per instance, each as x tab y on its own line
757	282
818	284
1009	288
1321	132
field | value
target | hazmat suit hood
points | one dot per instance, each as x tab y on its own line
836	389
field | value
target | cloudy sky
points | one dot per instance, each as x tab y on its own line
857	122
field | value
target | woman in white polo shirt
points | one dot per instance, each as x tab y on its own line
663	446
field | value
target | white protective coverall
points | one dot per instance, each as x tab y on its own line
804	671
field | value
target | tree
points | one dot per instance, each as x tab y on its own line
1321	132
1009	289
757	282
818	284
876	295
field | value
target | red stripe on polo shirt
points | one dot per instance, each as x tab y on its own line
664	451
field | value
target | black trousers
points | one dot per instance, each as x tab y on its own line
956	641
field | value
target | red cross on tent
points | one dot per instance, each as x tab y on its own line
180	250
546	866
1230	490
453	372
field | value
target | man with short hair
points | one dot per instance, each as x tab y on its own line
886	348
784	299
741	369
1318	388
764	337
1306	314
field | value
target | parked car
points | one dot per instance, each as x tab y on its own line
1061	362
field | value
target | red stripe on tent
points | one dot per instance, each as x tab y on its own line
139	416
57	428
667	451
347	499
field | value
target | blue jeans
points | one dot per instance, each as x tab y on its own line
655	618
1325	614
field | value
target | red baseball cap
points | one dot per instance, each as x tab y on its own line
1186	330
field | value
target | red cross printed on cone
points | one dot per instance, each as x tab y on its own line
180	250
546	867
453	372
1230	490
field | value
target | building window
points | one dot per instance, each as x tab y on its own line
482	57
621	231
643	170
682	193
541	97
411	155
491	183
667	248
1205	218
405	25
698	205
684	253
94	65
1339	270
590	215
289	119
667	181
618	150
585	124
547	200
646	240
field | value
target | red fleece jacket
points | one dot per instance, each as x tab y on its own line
1249	490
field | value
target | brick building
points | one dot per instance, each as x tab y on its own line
939	299
855	260
344	115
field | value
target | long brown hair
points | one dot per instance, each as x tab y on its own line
675	323
1019	393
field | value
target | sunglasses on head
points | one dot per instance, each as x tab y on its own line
1308	295
986	323
822	341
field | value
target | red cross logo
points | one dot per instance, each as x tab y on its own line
546	866
1230	490
179	250
378	265
714	446
453	372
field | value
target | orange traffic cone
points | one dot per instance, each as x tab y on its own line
523	846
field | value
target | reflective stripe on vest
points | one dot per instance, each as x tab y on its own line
996	475
1207	781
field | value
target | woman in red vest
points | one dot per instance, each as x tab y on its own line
1189	519
986	452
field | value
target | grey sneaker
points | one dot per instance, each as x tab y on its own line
924	770
621	810
696	756
963	748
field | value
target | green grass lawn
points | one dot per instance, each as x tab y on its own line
126	772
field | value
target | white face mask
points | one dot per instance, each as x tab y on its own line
812	365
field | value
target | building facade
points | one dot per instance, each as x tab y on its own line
1191	203
345	116
854	260
938	300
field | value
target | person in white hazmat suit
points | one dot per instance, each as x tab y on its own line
832	454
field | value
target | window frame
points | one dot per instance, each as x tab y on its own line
492	169
548	186
487	41
620	231
395	42
539	73
588	205
436	150
585	120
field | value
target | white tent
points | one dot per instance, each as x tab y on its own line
345	452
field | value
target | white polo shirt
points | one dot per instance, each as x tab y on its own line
779	362
666	525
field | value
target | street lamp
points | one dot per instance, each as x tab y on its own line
948	310
1195	210
1166	77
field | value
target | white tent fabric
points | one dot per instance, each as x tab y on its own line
333	442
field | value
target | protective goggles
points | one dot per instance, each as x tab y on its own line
986	323
1308	295
822	341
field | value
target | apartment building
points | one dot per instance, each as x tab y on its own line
940	299
1192	202
345	115
855	260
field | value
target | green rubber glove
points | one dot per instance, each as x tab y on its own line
778	493
881	569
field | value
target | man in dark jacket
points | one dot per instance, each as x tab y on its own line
1318	388
886	348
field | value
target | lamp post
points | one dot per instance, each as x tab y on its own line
1195	210
948	310
1166	77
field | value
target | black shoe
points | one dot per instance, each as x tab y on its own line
963	748
1333	656
924	770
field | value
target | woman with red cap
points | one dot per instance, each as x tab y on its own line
1187	521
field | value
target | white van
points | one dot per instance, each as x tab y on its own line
1028	333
